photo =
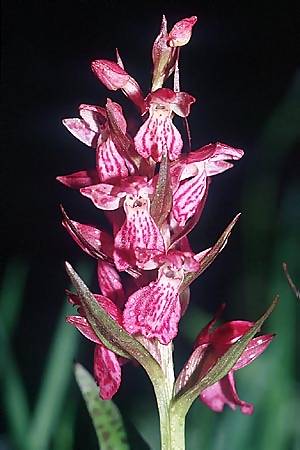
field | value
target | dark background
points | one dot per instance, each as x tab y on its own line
242	66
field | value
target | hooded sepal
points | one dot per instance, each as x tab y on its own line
205	368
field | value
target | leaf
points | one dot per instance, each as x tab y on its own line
185	397
162	200
210	256
113	336
105	415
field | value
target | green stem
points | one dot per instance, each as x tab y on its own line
171	420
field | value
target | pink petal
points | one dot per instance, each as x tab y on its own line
110	283
94	116
78	180
84	327
110	164
255	348
157	134
107	304
81	131
139	231
214	152
224	393
100	194
228	333
90	239
107	372
133	91
154	312
183	104
190	366
110	74
187	198
181	32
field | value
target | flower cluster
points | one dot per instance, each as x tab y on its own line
152	190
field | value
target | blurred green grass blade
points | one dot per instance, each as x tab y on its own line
65	432
279	425
13	392
261	191
11	294
14	396
105	415
56	379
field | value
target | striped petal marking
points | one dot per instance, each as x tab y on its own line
139	231
158	133
110	164
107	372
154	310
188	196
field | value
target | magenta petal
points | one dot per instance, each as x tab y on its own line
107	372
188	197
110	74
89	238
78	180
81	131
138	232
83	326
94	116
255	348
100	194
155	136
110	164
110	283
183	104
229	333
224	393
181	32
154	312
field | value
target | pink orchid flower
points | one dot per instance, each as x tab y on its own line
94	129
210	345
154	310
165	49
107	365
158	135
139	231
114	77
190	175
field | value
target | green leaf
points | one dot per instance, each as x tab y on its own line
210	255
162	200
186	396
109	331
105	415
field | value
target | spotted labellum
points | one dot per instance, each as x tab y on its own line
152	189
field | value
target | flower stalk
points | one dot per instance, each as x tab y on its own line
152	191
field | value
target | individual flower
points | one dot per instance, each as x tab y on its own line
114	77
138	231
211	345
158	135
95	129
154	310
190	175
107	365
165	50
